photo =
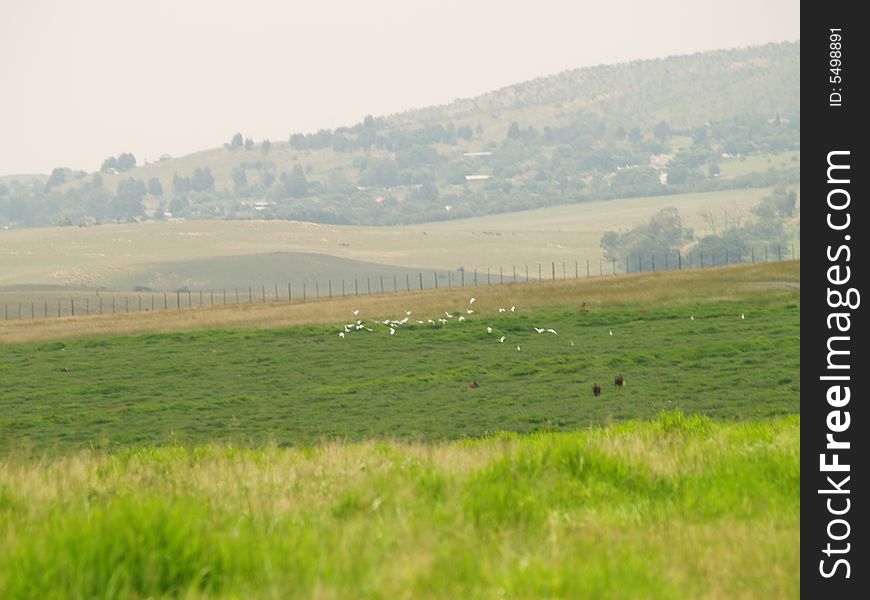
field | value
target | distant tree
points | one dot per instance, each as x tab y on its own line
380	172
267	178
127	204
427	192
97	181
239	177
635	135
109	164
249	143
178	205
662	131
465	132
155	188
202	180
266	146
126	161
663	233
514	132
180	185
236	142
293	185
58	177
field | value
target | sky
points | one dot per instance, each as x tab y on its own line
85	80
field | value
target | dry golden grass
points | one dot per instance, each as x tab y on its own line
638	289
648	289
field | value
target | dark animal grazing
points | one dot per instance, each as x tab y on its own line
596	389
473	385
619	381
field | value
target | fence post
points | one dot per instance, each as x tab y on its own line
126	304
87	306
626	265
355	287
653	262
316	290
639	264
501	275
395	283
250	295
72	307
779	251
435	277
553	269
382	284
304	292
539	272
342	286
421	280
667	266
449	279
527	273
32	311
408	281
514	268
487	276
369	285
680	260
462	278
330	288
587	268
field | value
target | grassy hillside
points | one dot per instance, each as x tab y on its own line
679	339
652	127
674	508
206	254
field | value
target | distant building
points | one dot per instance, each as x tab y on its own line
476	177
472	154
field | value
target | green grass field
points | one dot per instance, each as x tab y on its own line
677	507
253	453
123	256
303	383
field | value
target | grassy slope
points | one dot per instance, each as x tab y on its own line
675	508
299	384
127	255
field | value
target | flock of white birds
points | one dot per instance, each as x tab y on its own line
393	325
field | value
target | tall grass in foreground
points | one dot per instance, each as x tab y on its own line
677	507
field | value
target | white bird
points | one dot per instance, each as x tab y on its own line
513	309
501	339
419	321
611	332
469	311
501	310
358	322
572	342
489	330
341	335
553	331
386	322
692	318
539	329
461	318
408	312
369	329
742	316
472	301
442	320
431	322
518	348
392	331
355	312
358	327
448	314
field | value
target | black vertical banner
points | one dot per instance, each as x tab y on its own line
834	348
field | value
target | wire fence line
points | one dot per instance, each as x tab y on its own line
102	302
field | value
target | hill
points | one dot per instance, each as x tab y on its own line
210	254
645	128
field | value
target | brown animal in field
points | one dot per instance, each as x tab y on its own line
596	389
473	385
619	381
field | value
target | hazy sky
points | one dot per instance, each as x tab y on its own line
86	79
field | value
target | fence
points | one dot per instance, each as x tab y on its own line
96	303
